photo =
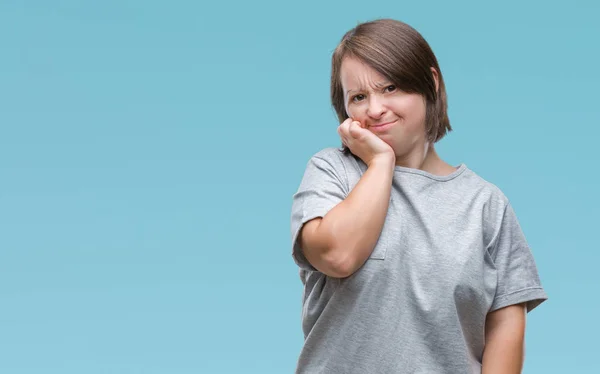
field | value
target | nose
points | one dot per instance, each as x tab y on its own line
376	108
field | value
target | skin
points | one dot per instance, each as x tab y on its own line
370	100
505	340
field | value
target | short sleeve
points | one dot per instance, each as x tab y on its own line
323	186
518	279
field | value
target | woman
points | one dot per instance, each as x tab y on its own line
409	264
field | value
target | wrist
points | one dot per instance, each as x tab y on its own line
383	160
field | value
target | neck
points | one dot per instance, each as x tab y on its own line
425	158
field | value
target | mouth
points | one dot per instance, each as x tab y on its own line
382	126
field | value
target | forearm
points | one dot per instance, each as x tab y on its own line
504	345
354	225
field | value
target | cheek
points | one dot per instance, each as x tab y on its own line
357	113
412	109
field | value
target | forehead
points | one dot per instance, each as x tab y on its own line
355	74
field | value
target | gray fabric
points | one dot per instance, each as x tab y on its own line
451	250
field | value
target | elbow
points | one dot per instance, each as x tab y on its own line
325	250
338	263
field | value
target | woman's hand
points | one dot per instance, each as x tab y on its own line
363	142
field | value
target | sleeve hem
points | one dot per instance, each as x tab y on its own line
297	254
533	296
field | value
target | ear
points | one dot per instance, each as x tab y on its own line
436	79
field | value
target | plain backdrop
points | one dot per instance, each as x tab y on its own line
149	152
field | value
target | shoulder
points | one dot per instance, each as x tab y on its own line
493	198
332	155
494	209
332	164
335	159
326	161
484	186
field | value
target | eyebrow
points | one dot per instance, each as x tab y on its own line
377	85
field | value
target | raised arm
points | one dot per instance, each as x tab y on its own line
340	242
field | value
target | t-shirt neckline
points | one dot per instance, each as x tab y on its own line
459	170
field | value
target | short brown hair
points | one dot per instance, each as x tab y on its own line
401	54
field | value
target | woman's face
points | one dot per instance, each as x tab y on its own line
373	100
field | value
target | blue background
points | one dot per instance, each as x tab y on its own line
149	152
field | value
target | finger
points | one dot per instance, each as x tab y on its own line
340	128
342	131
355	130
346	124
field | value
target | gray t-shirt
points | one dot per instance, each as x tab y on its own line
451	250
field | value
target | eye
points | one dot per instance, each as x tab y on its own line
390	88
358	97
